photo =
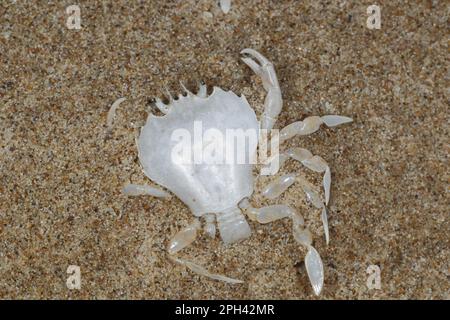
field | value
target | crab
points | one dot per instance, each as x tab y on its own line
220	193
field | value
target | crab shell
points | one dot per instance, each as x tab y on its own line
203	187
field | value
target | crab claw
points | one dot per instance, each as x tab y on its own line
252	64
262	67
255	54
265	70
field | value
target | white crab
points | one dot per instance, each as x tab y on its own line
221	191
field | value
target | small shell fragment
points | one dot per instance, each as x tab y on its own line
225	5
280	185
314	268
112	112
140	190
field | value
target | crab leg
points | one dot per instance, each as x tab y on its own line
210	225
278	186
282	157
317	202
313	197
314	268
184	238
270	213
302	236
281	184
198	269
141	190
264	69
313	262
311	125
314	163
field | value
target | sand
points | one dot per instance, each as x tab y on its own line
61	172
